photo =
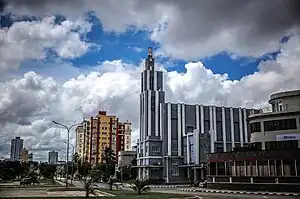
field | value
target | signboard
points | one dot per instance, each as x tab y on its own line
287	137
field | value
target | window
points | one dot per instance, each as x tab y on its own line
189	129
255	127
155	148
280	106
281	145
175	162
276	125
175	171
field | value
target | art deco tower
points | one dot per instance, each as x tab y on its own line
151	97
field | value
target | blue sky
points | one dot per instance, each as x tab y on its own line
131	47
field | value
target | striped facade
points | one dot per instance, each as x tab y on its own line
176	137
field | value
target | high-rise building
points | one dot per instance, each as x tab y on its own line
82	139
123	138
175	138
16	148
53	157
24	155
100	132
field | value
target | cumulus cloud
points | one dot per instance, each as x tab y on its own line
26	40
115	87
188	30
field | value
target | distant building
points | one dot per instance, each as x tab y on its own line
16	148
53	157
24	155
125	158
30	157
123	138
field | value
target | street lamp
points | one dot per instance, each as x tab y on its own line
72	160
68	141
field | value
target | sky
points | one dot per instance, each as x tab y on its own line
66	60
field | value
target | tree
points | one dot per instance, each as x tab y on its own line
47	171
88	176
141	186
108	164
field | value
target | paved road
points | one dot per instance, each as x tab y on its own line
201	195
221	195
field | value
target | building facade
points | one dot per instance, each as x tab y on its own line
82	139
24	155
123	138
100	132
53	157
280	128
273	155
16	148
175	138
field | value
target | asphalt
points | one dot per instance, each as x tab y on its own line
202	195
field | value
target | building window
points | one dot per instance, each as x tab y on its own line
276	125
280	106
175	171
155	149
189	129
175	162
255	127
281	145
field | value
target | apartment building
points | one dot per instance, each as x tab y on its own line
100	132
123	139
82	140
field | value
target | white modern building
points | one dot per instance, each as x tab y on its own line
280	128
175	138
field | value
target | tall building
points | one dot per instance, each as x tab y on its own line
175	138
100	132
53	157
123	138
24	155
82	139
16	148
102	135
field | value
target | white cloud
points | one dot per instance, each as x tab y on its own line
33	101
187	30
26	40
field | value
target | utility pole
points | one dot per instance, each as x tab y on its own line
68	142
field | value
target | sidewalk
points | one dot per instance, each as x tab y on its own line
239	192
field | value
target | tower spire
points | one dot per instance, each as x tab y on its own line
149	63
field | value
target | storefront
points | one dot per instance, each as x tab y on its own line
252	168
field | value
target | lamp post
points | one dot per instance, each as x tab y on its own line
68	142
72	160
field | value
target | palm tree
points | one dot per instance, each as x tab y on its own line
140	186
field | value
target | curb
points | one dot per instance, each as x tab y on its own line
241	192
160	186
